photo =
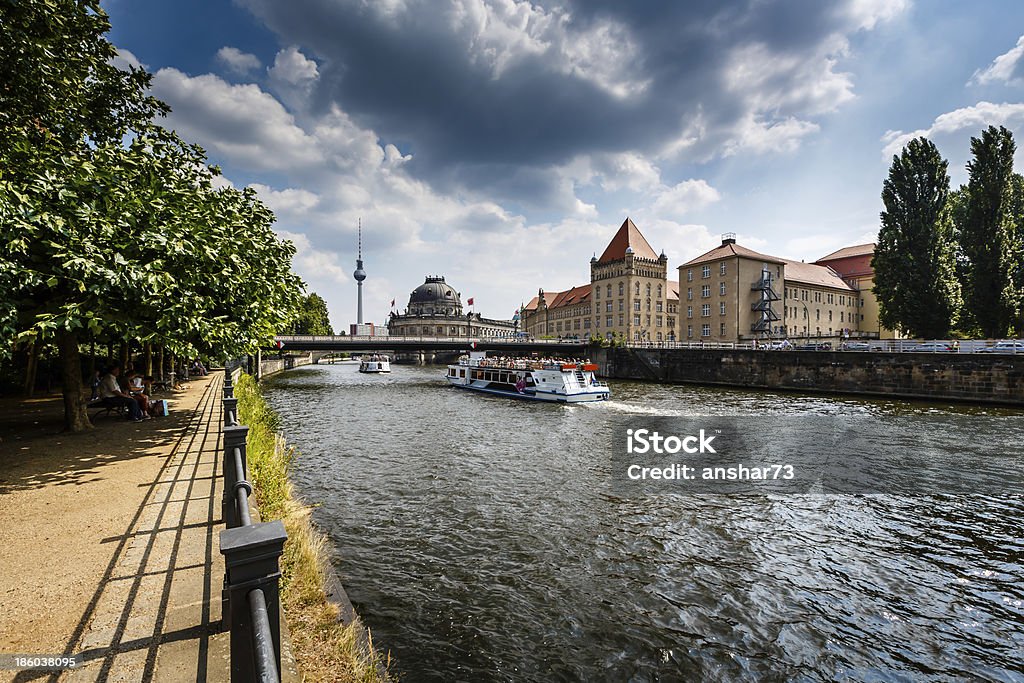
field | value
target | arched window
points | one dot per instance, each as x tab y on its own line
648	291
620	289
659	291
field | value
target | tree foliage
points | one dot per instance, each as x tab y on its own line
987	233
313	317
96	235
914	262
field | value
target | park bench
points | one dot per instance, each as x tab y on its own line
104	407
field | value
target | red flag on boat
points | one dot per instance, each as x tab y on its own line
470	301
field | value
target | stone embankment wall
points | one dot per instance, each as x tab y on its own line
983	378
271	366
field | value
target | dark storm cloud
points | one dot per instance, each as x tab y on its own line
411	77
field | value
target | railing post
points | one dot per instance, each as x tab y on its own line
234	437
230	412
251	555
228	388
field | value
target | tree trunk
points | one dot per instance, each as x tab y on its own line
110	352
160	363
124	357
76	419
92	359
32	358
148	347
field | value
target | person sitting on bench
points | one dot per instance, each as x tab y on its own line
111	394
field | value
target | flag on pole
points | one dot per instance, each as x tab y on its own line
392	303
470	301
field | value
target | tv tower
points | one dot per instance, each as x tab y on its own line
360	275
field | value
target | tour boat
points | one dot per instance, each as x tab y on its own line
560	381
374	363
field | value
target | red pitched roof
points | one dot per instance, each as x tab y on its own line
627	236
814	274
847	252
731	249
569	297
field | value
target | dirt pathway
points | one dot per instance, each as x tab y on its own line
108	543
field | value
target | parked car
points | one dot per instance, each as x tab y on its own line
1010	346
856	346
781	345
932	347
819	346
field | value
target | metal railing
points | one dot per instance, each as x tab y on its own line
824	343
251	604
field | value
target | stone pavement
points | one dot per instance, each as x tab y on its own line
156	614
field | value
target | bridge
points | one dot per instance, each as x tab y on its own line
396	344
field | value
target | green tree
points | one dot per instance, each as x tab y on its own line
1013	251
313	317
986	234
914	263
134	241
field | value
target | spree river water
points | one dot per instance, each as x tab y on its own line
480	541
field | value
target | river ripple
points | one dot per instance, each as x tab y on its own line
480	542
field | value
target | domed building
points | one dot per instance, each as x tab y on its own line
435	310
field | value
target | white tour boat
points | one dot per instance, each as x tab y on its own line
560	381
374	363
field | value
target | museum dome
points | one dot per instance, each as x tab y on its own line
435	297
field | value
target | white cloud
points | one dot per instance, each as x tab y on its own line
293	68
974	118
241	63
1006	68
754	135
125	58
687	196
769	81
239	122
865	14
293	201
500	34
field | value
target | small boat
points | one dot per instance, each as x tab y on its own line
558	381
374	364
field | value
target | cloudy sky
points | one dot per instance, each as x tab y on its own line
501	143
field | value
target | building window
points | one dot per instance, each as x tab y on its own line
659	291
721	289
721	308
705	311
705	330
830	316
622	305
657	307
705	291
608	292
609	322
842	316
648	290
721	268
705	272
689	311
670	321
657	321
817	314
621	319
597	293
637	288
721	329
689	330
621	288
689	294
586	323
636	320
689	275
636	305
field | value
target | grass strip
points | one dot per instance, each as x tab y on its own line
324	648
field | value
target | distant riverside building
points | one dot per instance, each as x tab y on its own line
854	265
629	296
735	294
435	310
